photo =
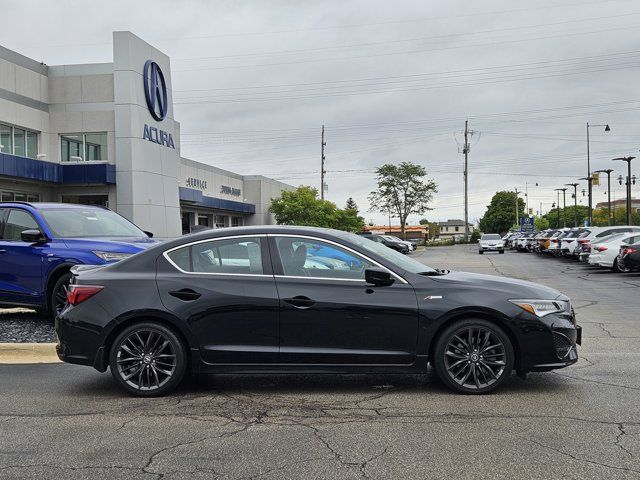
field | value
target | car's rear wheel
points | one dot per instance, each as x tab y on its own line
148	359
473	356
58	298
618	266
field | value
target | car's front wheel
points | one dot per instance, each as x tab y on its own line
148	359
473	356
58	299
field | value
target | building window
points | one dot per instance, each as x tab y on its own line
6	139
220	221
18	141
236	221
80	147
6	196
457	228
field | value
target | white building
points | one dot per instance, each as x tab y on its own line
105	134
453	229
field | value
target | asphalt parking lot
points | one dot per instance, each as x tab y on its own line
62	421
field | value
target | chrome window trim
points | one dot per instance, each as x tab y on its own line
358	254
166	253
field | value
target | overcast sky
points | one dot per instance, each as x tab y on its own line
391	81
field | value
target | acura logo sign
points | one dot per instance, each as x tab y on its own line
155	90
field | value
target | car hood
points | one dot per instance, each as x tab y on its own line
509	287
112	244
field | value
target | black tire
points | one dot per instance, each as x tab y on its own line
501	251
58	296
480	252
148	359
467	369
617	268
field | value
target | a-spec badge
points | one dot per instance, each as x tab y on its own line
433	297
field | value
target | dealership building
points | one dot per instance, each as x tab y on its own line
105	134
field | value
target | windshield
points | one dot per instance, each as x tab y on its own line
396	258
491	237
89	222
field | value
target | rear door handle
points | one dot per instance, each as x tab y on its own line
300	301
186	294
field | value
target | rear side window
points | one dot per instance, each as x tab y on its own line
17	222
227	256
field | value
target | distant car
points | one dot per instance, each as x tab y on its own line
607	252
629	258
389	242
490	242
596	234
40	242
412	246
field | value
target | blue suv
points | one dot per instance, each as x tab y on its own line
40	242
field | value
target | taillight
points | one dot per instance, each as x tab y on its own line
583	241
76	294
601	248
627	251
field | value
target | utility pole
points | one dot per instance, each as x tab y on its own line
628	184
322	170
517	218
465	150
608	172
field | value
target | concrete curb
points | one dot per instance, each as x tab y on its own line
22	353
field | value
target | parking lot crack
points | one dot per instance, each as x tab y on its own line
584	460
619	436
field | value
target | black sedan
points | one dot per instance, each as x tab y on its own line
629	258
294	299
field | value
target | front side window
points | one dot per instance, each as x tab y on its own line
241	255
303	257
17	222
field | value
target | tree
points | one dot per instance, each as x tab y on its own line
555	216
351	205
404	190
303	207
433	228
501	213
541	223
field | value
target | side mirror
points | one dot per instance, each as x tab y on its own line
149	234
33	236
378	277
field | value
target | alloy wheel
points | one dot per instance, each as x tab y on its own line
475	358
146	359
60	298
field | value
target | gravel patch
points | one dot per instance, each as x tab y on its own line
21	325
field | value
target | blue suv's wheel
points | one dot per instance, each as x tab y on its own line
58	299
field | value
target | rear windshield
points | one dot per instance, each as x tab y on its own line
584	234
491	236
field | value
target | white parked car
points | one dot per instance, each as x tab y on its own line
605	252
597	233
490	242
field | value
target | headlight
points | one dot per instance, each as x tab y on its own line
541	308
112	256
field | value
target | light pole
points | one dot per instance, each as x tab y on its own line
564	205
589	180
575	202
608	172
606	129
628	184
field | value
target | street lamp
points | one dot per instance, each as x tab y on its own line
608	172
575	202
627	183
564	205
606	129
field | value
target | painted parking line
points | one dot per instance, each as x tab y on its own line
21	353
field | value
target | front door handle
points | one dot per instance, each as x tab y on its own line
300	301
186	294
2	251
